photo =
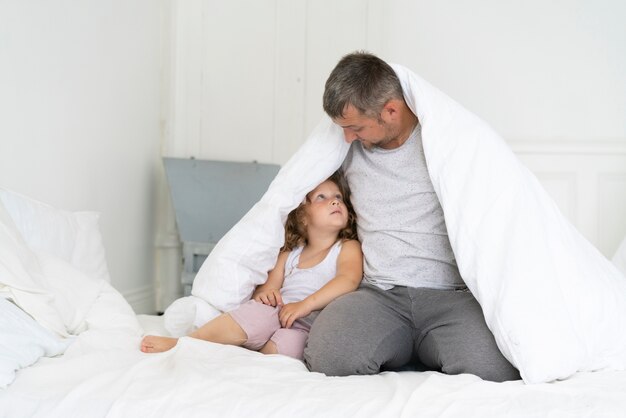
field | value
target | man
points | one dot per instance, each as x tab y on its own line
413	303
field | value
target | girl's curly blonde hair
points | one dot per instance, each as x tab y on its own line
295	231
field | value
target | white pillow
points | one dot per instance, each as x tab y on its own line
21	277
73	236
111	312
50	289
74	292
23	341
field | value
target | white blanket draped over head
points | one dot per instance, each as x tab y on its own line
554	303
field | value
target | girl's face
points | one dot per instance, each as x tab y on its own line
325	208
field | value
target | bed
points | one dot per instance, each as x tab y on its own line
102	373
76	352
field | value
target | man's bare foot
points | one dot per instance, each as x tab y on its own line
155	344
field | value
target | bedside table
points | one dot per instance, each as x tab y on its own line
194	254
209	198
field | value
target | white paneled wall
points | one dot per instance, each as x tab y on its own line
248	75
223	82
246	79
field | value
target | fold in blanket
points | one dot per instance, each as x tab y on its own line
554	303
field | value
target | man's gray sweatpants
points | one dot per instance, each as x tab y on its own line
371	329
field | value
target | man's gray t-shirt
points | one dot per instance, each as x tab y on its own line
400	220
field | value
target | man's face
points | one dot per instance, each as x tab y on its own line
372	132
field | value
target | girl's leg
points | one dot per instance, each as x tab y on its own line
269	348
258	323
223	330
289	342
156	344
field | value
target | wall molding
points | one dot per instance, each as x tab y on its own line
571	147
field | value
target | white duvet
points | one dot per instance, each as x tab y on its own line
554	303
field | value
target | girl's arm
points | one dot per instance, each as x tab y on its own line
348	278
269	292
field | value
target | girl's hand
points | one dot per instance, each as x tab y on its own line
268	297
292	311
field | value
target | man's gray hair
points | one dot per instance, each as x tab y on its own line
362	80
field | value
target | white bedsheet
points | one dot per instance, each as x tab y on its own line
104	374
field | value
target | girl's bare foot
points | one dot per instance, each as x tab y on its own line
155	344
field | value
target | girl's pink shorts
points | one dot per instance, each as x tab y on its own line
261	324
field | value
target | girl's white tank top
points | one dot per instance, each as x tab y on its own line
300	283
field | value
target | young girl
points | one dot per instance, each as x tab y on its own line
321	260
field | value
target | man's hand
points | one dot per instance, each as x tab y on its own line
268	297
292	311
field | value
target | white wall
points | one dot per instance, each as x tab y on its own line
550	76
80	105
253	71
